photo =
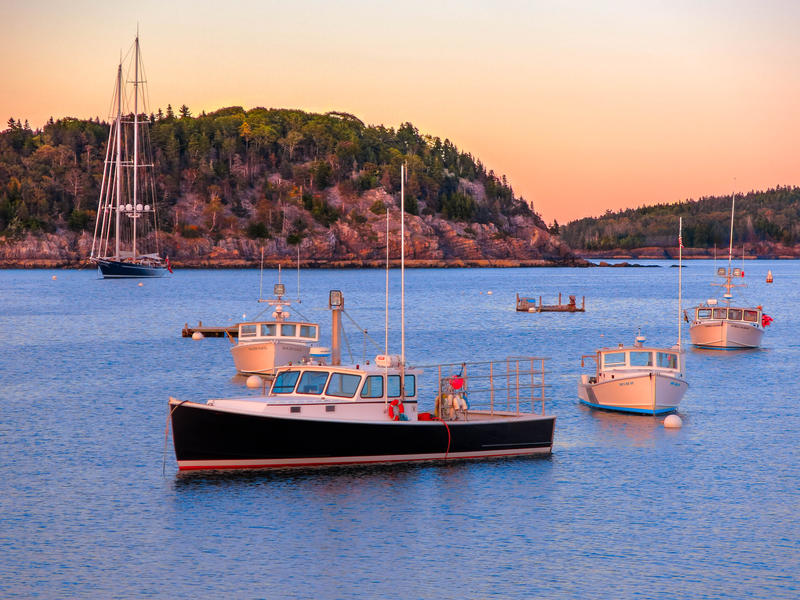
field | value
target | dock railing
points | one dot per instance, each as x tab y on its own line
515	385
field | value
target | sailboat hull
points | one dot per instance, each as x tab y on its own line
209	438
112	269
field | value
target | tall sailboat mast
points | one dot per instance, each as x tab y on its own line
135	141
127	191
118	168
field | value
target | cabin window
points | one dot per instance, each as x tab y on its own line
703	313
614	359
735	314
247	331
393	386
373	387
308	331
343	384
641	359
288	329
751	316
284	382
720	313
268	329
666	360
312	382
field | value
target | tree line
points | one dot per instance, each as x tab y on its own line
242	165
760	216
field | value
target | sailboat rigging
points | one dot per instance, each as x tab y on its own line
125	243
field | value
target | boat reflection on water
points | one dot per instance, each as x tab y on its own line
728	352
619	426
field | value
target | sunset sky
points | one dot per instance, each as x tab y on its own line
585	106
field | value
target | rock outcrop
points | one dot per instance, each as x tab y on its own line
357	238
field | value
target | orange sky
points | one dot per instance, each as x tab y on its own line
584	105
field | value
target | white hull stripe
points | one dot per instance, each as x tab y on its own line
257	463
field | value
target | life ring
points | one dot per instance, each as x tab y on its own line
396	409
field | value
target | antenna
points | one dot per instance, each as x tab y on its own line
298	272
680	276
402	284
261	277
730	243
386	324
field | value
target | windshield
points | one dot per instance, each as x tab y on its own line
284	382
343	384
312	382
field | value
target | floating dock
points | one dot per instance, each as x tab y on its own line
230	331
530	305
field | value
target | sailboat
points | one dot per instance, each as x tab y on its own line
125	241
638	379
325	413
728	326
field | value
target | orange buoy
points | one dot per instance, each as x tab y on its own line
769	276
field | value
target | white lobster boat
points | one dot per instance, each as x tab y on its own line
728	327
263	346
636	379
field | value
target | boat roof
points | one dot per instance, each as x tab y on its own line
369	368
727	305
634	348
275	322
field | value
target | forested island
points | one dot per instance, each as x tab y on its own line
233	182
766	225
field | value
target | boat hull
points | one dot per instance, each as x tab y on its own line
725	335
112	269
649	393
264	357
208	438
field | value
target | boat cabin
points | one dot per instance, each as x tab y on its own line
278	331
627	360
332	383
727	313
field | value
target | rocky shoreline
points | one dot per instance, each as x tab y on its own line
69	250
313	264
761	250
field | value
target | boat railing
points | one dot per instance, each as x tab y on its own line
515	385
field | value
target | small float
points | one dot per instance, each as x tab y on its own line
527	304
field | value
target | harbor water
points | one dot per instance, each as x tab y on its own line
92	504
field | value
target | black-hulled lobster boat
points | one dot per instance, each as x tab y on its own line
316	414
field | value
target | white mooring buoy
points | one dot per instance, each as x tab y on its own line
254	381
198	335
673	421
489	293
140	284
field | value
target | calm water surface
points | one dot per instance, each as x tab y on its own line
91	506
